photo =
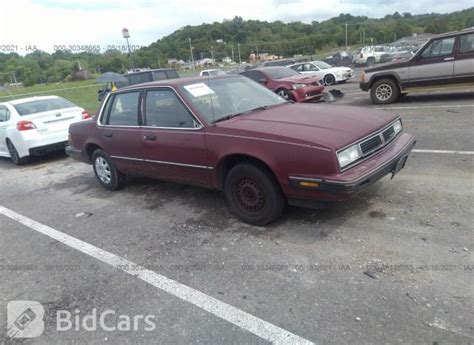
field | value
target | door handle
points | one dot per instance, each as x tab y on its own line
108	135
150	137
448	58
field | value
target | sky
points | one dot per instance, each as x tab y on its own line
48	25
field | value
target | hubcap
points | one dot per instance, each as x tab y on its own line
250	195
283	93
329	80
383	92
103	170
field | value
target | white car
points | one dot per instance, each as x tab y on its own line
330	75
211	72
37	125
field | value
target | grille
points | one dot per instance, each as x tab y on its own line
370	144
388	133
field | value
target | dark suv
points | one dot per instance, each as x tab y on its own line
445	62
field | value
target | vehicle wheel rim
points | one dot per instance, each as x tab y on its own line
13	152
329	80
103	170
284	94
250	195
383	92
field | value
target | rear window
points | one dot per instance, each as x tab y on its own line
43	105
172	74
139	78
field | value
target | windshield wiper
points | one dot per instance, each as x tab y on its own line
262	107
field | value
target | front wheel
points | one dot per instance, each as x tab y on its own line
253	194
384	91
284	94
15	157
329	79
106	172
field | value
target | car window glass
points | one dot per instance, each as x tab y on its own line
310	67
467	43
4	114
297	68
124	109
163	108
159	75
439	47
42	105
205	73
139	78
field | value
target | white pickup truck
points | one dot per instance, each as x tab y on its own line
369	55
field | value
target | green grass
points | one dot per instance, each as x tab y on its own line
82	93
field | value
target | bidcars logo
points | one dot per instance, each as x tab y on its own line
25	319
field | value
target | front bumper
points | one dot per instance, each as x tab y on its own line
308	93
343	186
364	86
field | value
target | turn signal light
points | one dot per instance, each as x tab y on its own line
309	184
25	125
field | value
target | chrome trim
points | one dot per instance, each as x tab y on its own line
164	162
142	107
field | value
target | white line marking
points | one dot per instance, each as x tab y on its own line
446	151
430	106
246	321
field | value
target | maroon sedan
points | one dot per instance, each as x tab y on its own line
234	135
287	83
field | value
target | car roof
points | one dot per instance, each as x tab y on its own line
263	69
30	99
177	82
452	33
150	70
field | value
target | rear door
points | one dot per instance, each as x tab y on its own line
464	61
434	64
173	140
119	131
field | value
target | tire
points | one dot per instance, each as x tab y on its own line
15	157
253	194
106	172
370	61
284	94
384	91
329	79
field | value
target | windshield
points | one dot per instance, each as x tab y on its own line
216	72
279	73
42	105
219	98
322	64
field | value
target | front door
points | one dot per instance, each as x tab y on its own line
464	63
120	132
434	65
173	141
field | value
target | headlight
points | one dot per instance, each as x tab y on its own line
298	86
348	156
397	126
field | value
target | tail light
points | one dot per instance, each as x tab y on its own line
86	115
25	125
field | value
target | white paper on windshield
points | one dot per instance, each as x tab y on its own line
199	89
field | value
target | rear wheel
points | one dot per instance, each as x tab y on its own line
16	159
106	172
384	91
253	194
329	79
284	94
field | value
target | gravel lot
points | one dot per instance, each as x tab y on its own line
394	265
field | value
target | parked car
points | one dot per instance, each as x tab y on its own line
276	63
232	134
339	59
330	75
369	55
211	72
35	126
141	75
445	62
287	83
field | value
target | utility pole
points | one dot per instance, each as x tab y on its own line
191	51
232	52
238	47
212	54
346	36
256	46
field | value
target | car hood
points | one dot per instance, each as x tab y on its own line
388	65
326	125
